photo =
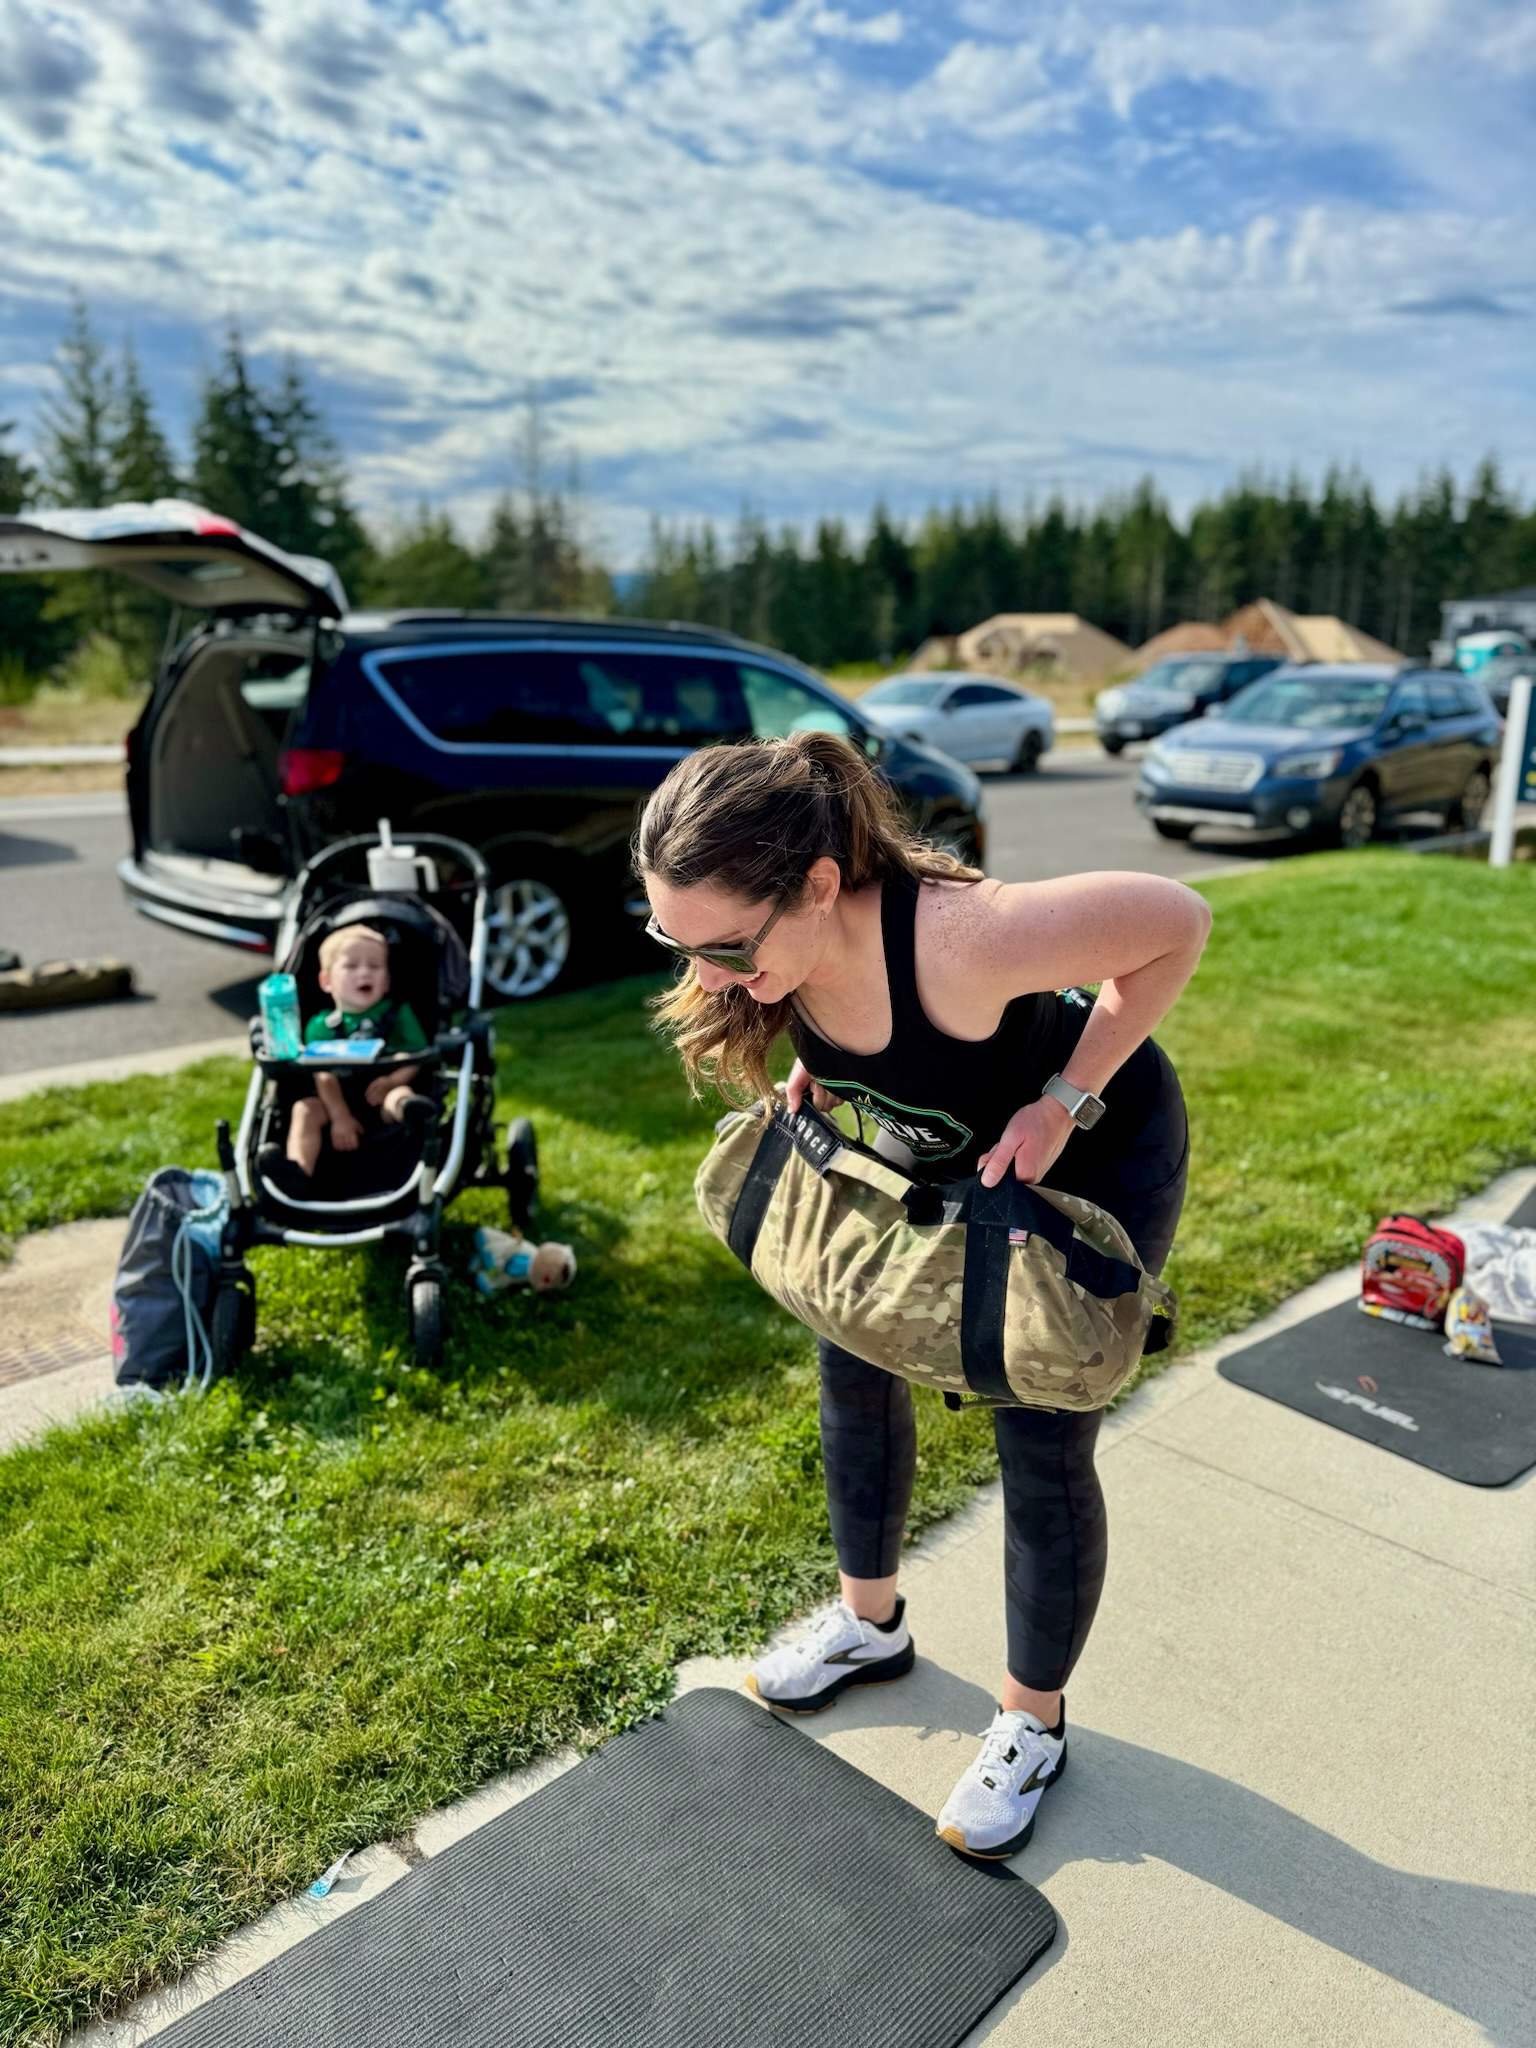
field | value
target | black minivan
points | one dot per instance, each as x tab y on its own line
282	721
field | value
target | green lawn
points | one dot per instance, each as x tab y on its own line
247	1632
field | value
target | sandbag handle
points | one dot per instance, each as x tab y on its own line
825	1150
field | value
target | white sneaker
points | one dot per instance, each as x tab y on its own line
991	1812
833	1650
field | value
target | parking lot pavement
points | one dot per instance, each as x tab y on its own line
59	895
1076	813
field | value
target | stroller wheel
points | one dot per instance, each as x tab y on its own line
427	1321
522	1175
232	1326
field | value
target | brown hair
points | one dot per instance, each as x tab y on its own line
752	819
333	942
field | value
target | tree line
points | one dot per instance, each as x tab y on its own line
260	453
1127	564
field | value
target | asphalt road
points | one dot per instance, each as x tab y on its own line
59	897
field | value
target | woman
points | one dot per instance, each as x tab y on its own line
944	1006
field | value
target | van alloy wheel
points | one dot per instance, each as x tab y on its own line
527	938
1357	819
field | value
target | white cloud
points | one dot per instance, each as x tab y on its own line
847	28
742	271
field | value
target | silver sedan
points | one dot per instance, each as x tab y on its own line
969	717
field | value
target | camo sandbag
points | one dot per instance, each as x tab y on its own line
1017	1295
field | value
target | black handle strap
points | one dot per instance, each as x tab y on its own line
773	1149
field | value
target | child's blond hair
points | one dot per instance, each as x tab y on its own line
333	942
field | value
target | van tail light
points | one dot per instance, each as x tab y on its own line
302	769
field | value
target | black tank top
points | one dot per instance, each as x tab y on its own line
948	1099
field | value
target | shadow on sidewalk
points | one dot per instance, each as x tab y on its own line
1466	1946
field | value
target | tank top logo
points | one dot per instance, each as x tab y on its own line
927	1133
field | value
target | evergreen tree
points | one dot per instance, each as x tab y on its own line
749	577
311	513
428	565
140	459
143	469
265	460
237	460
1442	569
1054	569
1145	565
505	556
890	578
1090	551
77	422
77	465
789	604
1487	523
535	553
30	639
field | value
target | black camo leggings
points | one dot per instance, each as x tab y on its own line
1056	1544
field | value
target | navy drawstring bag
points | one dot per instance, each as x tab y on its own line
165	1281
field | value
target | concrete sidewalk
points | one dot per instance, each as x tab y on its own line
1300	1805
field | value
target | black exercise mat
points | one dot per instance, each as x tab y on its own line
1395	1387
710	1877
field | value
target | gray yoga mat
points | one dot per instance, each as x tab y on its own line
709	1877
1395	1387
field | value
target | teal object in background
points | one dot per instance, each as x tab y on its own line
1475	650
280	1017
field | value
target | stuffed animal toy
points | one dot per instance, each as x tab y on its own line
503	1259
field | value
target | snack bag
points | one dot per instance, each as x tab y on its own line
1469	1329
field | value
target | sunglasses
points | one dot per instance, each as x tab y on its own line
740	959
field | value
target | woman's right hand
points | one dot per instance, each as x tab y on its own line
801	1079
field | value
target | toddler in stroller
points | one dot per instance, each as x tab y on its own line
354	972
390	977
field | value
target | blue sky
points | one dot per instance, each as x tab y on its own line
795	253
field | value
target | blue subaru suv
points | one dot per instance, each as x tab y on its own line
283	721
1336	752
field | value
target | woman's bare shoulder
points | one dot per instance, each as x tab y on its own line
1010	937
961	926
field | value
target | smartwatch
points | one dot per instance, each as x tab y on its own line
1083	1108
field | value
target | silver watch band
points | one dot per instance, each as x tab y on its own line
1081	1105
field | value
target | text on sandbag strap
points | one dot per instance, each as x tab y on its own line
817	1141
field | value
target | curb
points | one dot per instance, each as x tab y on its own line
121	1067
59	757
1475	845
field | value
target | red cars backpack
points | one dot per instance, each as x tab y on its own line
1409	1271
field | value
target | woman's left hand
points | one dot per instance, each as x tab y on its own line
1031	1143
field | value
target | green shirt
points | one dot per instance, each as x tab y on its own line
405	1033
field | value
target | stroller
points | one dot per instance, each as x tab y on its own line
401	1177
